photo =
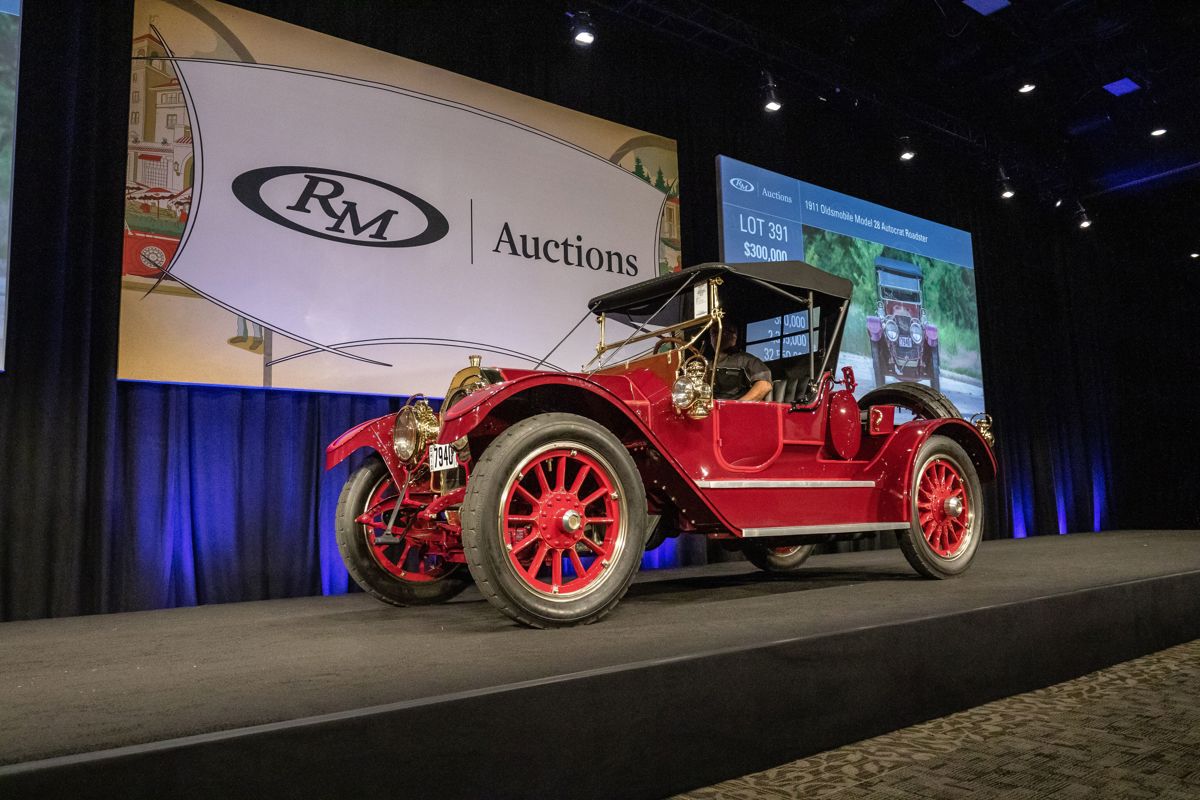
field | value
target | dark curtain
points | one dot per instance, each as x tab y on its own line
118	496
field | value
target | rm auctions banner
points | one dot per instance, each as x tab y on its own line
307	213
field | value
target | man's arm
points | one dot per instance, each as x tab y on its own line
758	391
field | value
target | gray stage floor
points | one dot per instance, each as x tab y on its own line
86	683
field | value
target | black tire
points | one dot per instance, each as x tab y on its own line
361	563
879	363
658	527
923	544
935	370
777	559
510	461
916	397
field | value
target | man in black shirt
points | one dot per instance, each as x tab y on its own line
754	381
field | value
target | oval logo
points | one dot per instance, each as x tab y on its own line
340	206
741	184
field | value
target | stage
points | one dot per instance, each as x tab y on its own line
701	674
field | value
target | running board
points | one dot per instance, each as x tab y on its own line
803	530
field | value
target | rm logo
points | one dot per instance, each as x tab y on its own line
341	206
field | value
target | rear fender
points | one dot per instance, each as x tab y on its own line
375	434
903	448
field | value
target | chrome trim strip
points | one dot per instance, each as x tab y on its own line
847	527
751	484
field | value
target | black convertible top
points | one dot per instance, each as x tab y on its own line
792	277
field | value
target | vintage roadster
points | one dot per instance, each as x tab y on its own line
904	343
547	487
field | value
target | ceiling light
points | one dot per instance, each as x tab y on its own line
1195	255
986	7
1081	217
1058	203
1006	188
1121	86
582	30
1158	132
907	153
1027	88
770	96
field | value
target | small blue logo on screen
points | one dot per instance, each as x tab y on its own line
741	184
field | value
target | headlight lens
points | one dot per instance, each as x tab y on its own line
683	393
404	434
891	330
916	332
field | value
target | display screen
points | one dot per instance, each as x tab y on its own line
10	50
913	314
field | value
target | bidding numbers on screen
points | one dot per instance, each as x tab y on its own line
771	237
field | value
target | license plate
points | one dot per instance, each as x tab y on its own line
906	341
442	456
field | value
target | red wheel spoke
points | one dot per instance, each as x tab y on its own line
594	496
598	520
536	563
524	544
556	559
403	559
519	518
584	471
589	543
541	476
562	473
580	570
521	490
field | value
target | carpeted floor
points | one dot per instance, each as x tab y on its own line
1130	731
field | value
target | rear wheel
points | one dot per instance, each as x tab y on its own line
946	505
777	559
918	398
554	521
397	567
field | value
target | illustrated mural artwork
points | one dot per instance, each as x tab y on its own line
303	212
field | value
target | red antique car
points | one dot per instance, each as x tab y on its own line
546	488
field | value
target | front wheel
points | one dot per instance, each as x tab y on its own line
401	566
946	505
777	559
554	521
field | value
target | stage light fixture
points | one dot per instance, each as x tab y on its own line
907	153
770	96
1027	88
582	30
1081	217
1195	255
1006	188
1058	203
1158	132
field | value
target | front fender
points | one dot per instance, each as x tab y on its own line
470	413
374	433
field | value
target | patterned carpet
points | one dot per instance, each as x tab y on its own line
1130	731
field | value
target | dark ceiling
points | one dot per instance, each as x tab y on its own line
947	72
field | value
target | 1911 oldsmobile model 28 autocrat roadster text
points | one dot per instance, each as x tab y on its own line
541	486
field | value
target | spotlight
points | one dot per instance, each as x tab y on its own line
1082	218
1006	188
1027	88
582	30
1158	132
770	96
1058	203
1195	255
907	153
